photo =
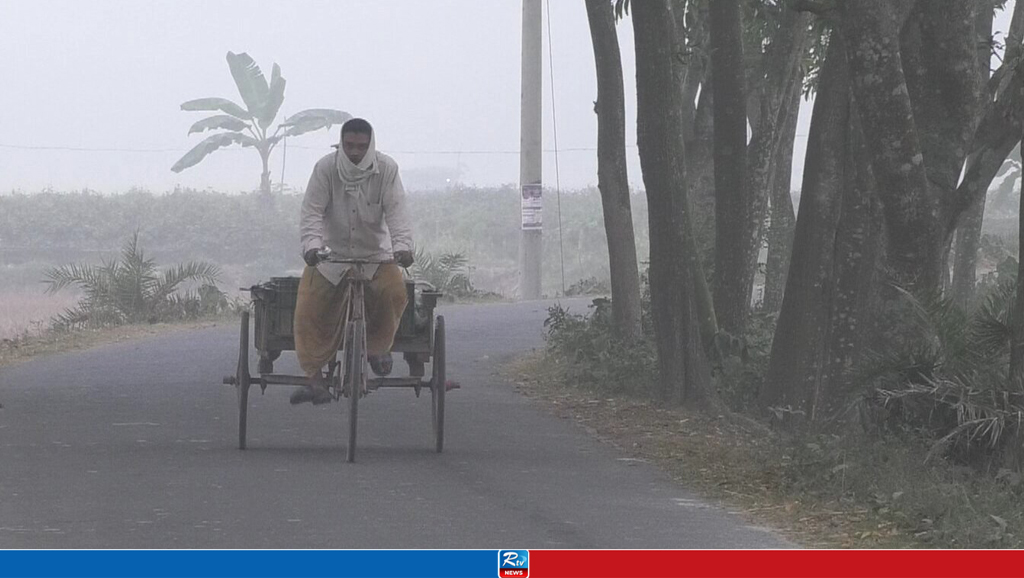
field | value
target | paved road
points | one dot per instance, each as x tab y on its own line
133	446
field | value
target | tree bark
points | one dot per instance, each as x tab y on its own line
732	200
700	158
1017	344
783	217
692	32
701	237
700	173
691	29
968	234
1000	127
685	376
887	116
265	177
611	171
798	357
856	266
782	76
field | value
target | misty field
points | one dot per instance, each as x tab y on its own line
28	312
253	237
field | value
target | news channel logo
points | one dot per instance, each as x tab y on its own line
513	563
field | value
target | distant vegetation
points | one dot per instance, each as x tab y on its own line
251	239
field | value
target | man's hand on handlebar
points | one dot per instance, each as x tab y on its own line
312	257
315	256
404	258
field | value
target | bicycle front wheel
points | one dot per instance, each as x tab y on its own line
355	370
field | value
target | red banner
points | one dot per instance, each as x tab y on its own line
775	563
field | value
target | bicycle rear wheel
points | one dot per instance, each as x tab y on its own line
242	379
438	384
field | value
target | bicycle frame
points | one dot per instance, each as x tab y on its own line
355	280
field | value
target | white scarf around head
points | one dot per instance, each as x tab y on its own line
354	175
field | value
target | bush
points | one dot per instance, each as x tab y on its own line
945	379
131	290
744	363
590	356
448	273
588	286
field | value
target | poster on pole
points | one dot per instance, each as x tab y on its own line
531	205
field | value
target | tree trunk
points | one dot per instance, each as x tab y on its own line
782	76
965	258
798	356
265	177
732	201
700	173
691	29
940	45
880	91
704	301
685	376
783	218
700	137
917	115
700	239
968	234
1017	345
611	171
999	130
856	262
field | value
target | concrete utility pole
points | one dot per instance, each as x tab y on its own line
531	241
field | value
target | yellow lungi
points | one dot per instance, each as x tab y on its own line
320	307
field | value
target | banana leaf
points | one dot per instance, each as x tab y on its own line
276	97
224	121
252	85
214	103
210	144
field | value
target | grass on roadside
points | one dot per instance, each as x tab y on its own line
854	491
29	346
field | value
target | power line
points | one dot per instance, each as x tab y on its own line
402	152
398	152
87	149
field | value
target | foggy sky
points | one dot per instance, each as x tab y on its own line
433	77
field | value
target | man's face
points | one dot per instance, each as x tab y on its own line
355	145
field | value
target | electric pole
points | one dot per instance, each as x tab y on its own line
531	240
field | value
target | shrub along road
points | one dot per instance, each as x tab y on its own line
132	445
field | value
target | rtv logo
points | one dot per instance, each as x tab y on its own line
513	563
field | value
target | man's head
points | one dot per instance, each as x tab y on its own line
355	139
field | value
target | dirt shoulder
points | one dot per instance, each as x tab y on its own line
15	351
821	492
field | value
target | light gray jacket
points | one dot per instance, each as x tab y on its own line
367	222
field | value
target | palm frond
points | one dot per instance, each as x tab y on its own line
71	318
990	325
63	276
183	272
449	273
452	262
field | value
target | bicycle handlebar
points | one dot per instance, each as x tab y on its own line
358	261
326	255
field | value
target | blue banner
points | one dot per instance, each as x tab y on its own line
249	563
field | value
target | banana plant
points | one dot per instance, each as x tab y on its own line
249	125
